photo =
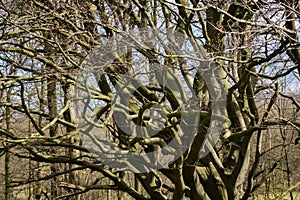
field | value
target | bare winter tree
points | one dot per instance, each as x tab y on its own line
107	87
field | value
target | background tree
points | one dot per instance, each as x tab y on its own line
252	45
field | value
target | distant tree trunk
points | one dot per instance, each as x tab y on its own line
52	107
7	193
7	156
35	166
69	116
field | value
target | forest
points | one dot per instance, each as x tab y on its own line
149	99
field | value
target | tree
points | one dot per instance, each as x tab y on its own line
209	65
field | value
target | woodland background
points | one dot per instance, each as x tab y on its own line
254	44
